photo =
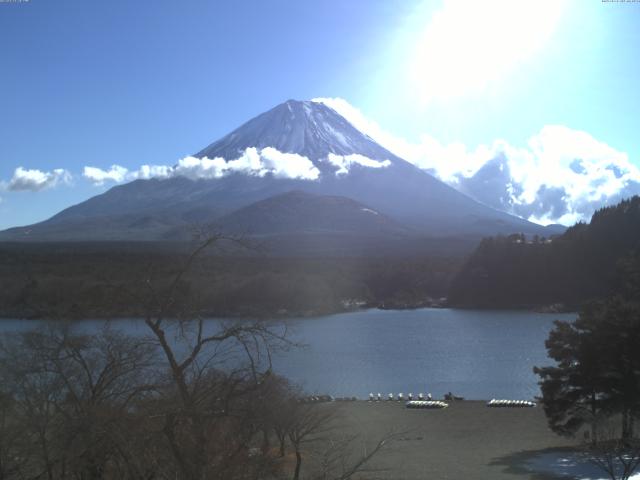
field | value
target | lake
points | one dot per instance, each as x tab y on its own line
476	354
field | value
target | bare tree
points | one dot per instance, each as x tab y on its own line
308	423
215	369
12	439
281	397
315	430
71	396
339	462
618	457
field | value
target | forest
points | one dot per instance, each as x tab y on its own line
80	280
88	280
588	261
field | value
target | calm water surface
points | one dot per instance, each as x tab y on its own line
476	354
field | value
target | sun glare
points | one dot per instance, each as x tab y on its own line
467	45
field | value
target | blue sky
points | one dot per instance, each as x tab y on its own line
446	83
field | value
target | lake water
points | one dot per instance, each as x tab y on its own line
475	354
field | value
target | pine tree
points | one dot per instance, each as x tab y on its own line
597	371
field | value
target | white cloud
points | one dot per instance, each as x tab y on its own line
562	175
288	165
34	180
151	171
251	162
98	176
119	174
195	168
558	156
428	154
344	162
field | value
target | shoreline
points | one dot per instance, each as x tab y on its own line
304	314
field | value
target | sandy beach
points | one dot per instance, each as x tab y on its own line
467	440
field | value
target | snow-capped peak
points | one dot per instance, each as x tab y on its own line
306	128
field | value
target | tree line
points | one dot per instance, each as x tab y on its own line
593	387
588	261
79	279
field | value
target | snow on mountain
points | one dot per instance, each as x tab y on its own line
309	129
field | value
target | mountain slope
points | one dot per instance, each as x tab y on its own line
302	146
301	212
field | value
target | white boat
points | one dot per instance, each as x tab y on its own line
502	403
426	404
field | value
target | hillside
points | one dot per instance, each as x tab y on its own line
301	212
587	261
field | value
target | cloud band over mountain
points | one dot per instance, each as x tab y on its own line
253	161
562	175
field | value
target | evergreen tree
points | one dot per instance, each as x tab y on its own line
597	371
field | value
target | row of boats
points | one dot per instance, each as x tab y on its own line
400	397
510	403
325	398
430	404
493	403
420	401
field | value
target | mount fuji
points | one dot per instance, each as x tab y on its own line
299	169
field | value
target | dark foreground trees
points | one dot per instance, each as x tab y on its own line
185	399
67	404
596	382
105	406
597	372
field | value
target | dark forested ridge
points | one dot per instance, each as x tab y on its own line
587	261
88	279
